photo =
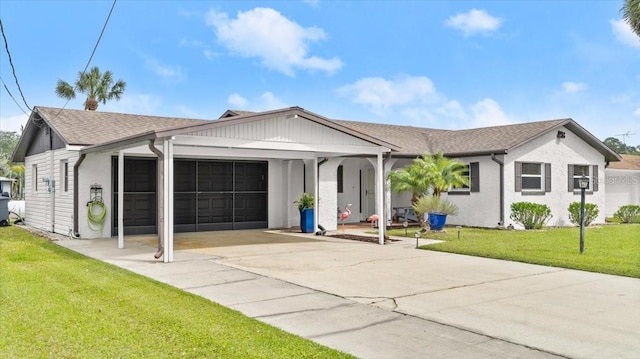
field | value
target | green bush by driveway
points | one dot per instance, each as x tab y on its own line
55	303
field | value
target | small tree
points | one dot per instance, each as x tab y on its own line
530	215
591	212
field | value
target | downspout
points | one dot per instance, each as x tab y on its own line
160	205
501	164
76	187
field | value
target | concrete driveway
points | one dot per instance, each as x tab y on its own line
395	301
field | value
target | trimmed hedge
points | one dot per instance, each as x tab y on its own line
591	212
530	215
628	214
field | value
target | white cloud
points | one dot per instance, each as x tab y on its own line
573	87
637	112
238	101
280	43
143	104
623	33
265	102
313	3
379	94
488	112
474	22
165	71
13	123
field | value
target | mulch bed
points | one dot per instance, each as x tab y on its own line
355	237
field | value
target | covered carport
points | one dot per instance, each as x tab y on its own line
282	154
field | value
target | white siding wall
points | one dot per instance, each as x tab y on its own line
64	200
622	187
38	203
277	194
295	190
95	169
560	153
479	209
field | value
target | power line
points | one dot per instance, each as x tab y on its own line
13	98
13	69
92	53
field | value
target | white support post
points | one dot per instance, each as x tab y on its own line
165	208
316	193
388	165
120	190
169	201
380	198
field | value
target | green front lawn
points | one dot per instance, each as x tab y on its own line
612	249
55	303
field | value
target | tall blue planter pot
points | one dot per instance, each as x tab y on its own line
437	221
306	220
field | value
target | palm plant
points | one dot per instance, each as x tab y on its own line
631	14
99	87
446	173
413	178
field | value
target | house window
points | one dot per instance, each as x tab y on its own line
34	178
473	174
340	179
576	172
532	177
64	175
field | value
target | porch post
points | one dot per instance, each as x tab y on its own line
120	190
388	165
380	198
168	200
316	192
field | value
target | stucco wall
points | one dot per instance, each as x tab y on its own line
622	187
479	209
560	152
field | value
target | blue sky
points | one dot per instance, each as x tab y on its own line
437	64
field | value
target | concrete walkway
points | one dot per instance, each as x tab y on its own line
394	301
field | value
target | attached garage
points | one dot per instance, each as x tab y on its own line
209	195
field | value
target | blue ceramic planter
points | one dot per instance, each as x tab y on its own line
437	221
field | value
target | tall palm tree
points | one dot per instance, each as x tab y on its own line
446	173
97	86
631	14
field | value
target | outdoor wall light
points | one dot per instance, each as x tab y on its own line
561	134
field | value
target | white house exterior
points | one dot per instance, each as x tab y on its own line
245	170
622	183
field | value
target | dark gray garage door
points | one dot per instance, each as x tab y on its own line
208	195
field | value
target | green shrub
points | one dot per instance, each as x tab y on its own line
590	213
434	204
628	214
530	215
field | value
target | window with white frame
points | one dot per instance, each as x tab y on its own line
64	176
34	177
577	171
472	172
532	177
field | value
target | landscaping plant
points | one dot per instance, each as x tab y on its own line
628	214
590	213
530	215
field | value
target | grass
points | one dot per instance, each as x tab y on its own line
58	304
611	249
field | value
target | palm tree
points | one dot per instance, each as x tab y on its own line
446	173
413	178
97	86
631	14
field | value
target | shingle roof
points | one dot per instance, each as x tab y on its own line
629	162
416	140
78	127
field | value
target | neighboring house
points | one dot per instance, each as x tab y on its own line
245	170
6	186
622	183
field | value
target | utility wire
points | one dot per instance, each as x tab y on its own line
13	98
13	69
90	57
